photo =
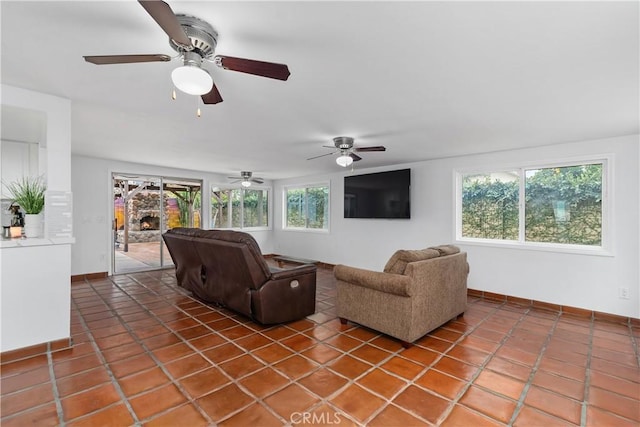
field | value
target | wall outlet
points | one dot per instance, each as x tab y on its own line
623	293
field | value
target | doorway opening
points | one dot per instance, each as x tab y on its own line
144	207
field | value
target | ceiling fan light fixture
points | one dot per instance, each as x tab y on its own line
192	79
344	160
246	183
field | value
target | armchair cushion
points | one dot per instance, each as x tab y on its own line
399	260
446	249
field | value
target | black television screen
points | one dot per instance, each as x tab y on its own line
378	195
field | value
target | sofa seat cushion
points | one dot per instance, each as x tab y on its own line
399	260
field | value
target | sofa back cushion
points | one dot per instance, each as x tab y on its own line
187	262
399	260
236	251
232	265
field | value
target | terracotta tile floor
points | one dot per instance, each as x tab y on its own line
146	353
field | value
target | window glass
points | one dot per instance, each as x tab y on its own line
564	205
239	208
558	205
296	208
490	205
307	207
318	205
255	208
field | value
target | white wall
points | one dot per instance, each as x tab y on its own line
92	210
577	280
35	288
18	159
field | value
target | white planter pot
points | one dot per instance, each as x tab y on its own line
33	225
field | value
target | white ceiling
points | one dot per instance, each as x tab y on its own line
425	79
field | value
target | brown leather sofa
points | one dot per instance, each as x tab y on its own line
226	267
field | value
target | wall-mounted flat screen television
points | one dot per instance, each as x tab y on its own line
378	195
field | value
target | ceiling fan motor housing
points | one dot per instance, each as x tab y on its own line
203	36
343	142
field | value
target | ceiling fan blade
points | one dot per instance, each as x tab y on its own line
355	157
250	66
232	177
321	155
376	148
213	97
161	12
125	59
257	180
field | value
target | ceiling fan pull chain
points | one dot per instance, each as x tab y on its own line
198	106
173	93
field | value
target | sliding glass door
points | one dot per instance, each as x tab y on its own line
143	208
182	208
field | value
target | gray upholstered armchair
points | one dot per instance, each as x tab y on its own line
417	292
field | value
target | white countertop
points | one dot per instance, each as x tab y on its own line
35	241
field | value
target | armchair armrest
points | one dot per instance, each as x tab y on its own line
384	282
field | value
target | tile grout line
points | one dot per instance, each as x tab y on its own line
321	400
350	381
534	371
126	305
54	385
501	343
103	361
410	383
293	381
231	341
587	379
475	376
634	342
351	350
150	353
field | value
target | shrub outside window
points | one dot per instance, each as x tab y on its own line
307	207
564	205
239	208
559	205
490	205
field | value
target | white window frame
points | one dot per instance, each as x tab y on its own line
606	246
306	229
224	187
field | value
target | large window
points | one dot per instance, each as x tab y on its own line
307	207
239	208
550	205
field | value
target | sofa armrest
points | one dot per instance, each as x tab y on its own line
384	282
287	298
293	272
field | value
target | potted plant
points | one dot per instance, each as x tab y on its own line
28	193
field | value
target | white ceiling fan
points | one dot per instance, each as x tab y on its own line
246	178
194	40
344	146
